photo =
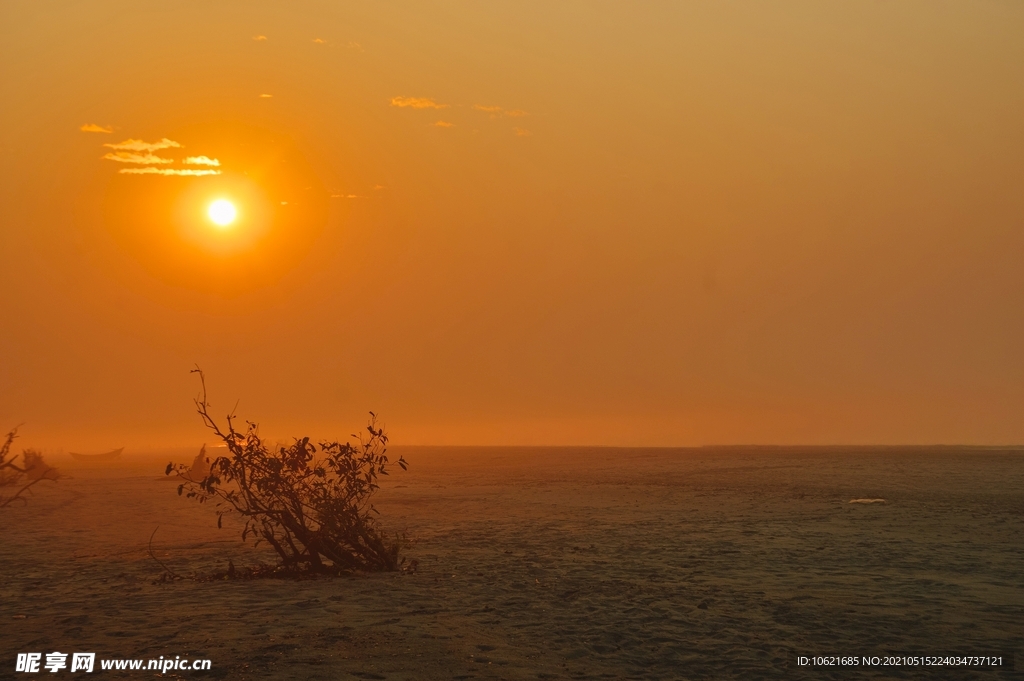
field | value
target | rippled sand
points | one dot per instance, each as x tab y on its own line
552	563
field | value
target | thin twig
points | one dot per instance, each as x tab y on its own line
4	501
153	556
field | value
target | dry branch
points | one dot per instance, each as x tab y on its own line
21	478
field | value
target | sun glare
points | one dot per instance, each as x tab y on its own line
222	212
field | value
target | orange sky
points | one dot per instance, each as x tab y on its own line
662	223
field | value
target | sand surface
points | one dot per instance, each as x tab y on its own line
551	563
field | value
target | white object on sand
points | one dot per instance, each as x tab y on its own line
867	501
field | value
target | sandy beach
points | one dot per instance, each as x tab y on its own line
552	563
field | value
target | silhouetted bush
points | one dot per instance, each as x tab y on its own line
311	503
19	479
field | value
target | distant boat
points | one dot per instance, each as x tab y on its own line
106	457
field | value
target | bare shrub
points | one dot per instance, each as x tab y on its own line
310	502
19	479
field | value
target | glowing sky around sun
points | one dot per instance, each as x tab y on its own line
515	222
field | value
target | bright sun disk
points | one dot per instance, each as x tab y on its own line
222	212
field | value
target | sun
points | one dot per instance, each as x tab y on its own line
222	212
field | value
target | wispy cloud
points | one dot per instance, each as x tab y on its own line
139	145
522	133
444	124
140	152
132	157
342	194
319	41
92	127
259	37
417	103
167	171
499	111
201	161
265	96
356	46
